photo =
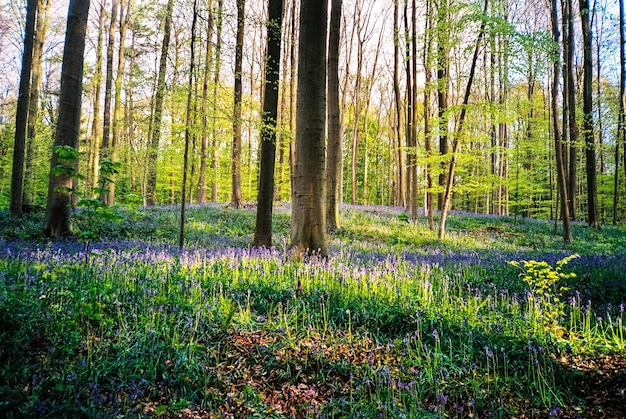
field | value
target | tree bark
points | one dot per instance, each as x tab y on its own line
237	200
590	148
308	228
334	156
21	116
57	220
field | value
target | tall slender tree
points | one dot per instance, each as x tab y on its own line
155	131
106	148
32	151
308	226
188	123
237	199
21	116
459	130
334	156
621	126
201	196
590	147
556	129
57	220
263	230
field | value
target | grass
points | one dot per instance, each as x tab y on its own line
394	324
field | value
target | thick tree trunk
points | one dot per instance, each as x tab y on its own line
334	156
443	67
57	220
237	200
590	147
308	228
21	116
155	134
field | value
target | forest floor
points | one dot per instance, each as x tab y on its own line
500	319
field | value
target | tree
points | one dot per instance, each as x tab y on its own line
201	196
590	148
400	187
237	200
334	156
308	226
21	116
558	148
155	131
263	230
108	92
447	197
621	125
41	24
57	220
188	124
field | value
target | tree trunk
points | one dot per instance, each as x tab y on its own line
21	116
237	199
263	230
57	220
621	130
558	148
334	156
215	162
590	148
155	134
125	17
308	227
188	124
569	51
400	187
430	205
443	67
32	152
459	131
108	87
94	146
201	195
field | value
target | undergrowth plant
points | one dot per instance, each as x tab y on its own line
545	292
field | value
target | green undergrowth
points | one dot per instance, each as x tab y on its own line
392	325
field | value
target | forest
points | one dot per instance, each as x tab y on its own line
304	208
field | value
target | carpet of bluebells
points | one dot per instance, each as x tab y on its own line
394	324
